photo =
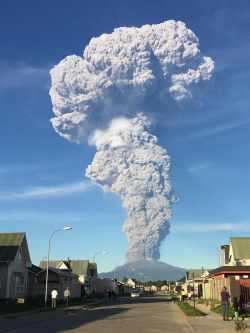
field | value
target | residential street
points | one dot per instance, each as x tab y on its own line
145	314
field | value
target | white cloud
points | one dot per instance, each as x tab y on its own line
216	130
46	191
43	217
210	227
21	74
200	168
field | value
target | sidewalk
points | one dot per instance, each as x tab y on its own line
212	322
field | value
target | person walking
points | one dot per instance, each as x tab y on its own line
54	294
242	304
225	299
66	295
236	308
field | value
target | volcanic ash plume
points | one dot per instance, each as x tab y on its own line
130	163
108	97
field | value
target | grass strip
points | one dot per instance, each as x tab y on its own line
34	305
189	310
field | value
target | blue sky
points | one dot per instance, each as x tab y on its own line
42	182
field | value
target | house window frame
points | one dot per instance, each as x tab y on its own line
19	255
20	286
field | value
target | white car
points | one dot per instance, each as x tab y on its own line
135	293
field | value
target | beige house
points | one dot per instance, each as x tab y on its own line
233	272
239	251
131	283
14	263
197	280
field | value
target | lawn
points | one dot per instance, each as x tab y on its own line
189	310
38	304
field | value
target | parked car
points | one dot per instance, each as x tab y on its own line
135	293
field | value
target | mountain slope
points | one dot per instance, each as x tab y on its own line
145	270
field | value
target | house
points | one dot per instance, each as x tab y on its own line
100	286
233	271
14	263
239	251
86	271
235	278
197	280
57	279
131	283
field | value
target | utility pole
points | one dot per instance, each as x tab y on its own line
193	292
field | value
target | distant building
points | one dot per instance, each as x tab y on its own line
14	263
132	283
85	271
197	281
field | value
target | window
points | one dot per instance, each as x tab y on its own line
19	283
19	254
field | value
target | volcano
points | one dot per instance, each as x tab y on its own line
146	270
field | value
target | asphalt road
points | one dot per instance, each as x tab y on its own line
140	315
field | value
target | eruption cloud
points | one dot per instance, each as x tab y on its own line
109	97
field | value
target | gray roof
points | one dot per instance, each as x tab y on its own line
10	243
241	247
34	269
79	267
58	272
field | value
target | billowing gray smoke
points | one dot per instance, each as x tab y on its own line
109	96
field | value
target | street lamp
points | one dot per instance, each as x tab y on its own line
116	265
47	266
143	279
93	261
101	252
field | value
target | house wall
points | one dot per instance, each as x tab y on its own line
206	290
131	283
18	267
3	279
38	289
234	262
217	284
100	285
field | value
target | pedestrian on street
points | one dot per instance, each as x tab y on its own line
236	308
109	295
113	296
225	299
54	294
66	295
183	295
242	304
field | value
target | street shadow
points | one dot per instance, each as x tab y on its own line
76	318
143	299
73	319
